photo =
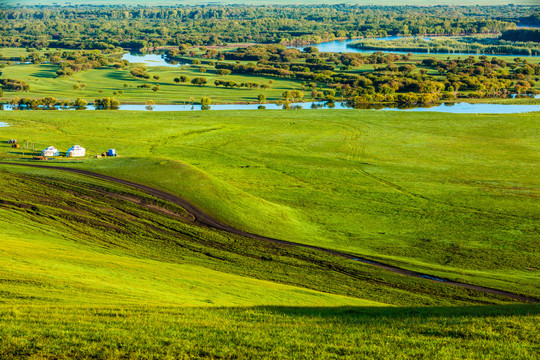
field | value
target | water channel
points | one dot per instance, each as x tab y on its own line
455	108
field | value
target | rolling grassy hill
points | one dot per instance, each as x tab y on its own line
456	196
96	269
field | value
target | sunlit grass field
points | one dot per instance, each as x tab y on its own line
453	195
270	332
94	269
86	273
44	82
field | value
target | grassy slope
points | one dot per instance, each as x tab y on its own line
44	82
88	275
103	251
457	195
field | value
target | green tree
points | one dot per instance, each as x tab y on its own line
106	103
262	98
80	104
199	81
311	50
223	72
206	101
49	102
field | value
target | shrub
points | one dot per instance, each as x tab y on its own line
199	81
14	85
140	72
106	103
206	101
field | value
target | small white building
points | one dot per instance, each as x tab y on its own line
76	151
50	151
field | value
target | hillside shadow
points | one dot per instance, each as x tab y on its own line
352	313
123	76
46	71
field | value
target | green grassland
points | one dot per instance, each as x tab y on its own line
44	82
61	251
270	332
94	269
87	273
455	196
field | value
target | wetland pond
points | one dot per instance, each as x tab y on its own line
150	60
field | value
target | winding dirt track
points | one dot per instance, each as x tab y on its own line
204	219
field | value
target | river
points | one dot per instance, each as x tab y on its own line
342	46
455	108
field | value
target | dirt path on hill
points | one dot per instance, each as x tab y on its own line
205	219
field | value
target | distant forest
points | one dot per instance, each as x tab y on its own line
107	27
523	35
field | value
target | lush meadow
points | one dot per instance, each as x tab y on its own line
106	81
271	332
91	268
94	269
453	196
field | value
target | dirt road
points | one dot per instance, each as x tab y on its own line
205	219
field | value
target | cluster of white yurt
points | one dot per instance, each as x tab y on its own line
50	151
76	151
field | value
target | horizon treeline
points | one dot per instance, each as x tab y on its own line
107	27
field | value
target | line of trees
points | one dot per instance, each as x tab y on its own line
46	103
522	35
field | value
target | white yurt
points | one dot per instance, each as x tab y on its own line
75	151
50	151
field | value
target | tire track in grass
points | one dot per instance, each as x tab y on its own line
204	219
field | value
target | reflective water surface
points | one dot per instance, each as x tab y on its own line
457	108
341	46
150	60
